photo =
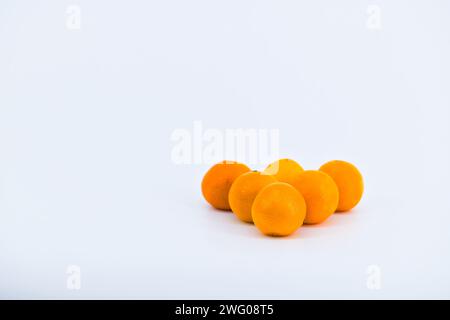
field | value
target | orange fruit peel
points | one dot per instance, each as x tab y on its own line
278	209
284	170
243	192
349	182
217	182
321	195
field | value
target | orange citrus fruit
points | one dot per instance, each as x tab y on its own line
348	180
285	170
244	190
321	195
278	209
218	180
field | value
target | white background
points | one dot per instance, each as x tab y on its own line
87	179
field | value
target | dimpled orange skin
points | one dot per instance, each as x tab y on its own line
218	180
278	210
243	192
321	195
284	170
349	182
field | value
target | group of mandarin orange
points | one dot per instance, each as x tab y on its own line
284	196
